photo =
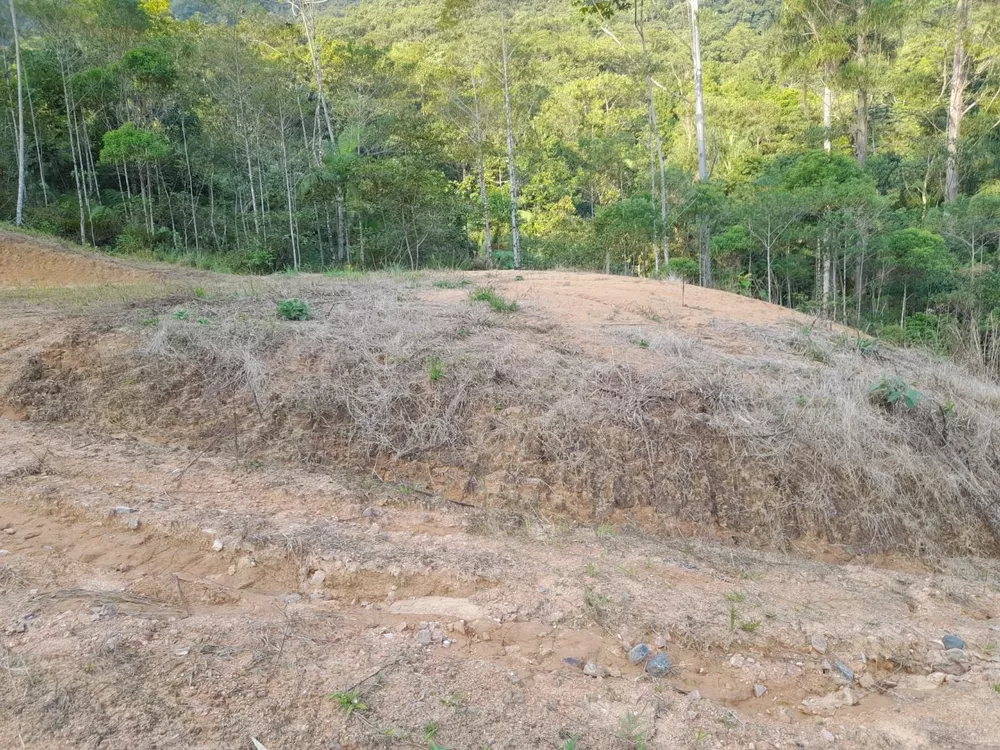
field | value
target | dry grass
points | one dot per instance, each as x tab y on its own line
765	448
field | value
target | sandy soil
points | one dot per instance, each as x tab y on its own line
162	596
28	262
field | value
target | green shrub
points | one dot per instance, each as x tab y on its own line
259	260
293	309
451	283
435	369
489	295
684	268
893	390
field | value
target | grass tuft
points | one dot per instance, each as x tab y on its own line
491	297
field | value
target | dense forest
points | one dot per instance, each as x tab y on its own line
837	156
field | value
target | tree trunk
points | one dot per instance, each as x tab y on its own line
705	255
827	108
19	216
515	232
699	93
38	144
194	206
655	138
341	233
861	137
487	233
769	272
956	105
72	151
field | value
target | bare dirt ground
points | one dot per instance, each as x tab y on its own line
166	595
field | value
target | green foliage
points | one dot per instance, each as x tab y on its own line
491	297
893	391
435	369
349	701
181	314
132	145
451	283
293	309
684	268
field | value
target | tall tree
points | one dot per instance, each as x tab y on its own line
19	220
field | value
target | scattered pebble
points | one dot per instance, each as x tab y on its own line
317	578
658	666
660	642
845	670
759	690
133	524
827	666
819	644
737	661
573	661
793	670
8	530
217	545
639	653
952	641
827	735
122	510
593	670
424	636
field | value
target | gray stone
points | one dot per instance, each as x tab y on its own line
819	644
759	690
952	641
123	510
593	670
827	735
737	661
658	666
639	653
573	662
845	670
133	524
424	636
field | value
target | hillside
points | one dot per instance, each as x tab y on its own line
215	519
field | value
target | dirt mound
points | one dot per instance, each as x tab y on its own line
602	401
30	262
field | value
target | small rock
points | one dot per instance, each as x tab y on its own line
845	670
402	627
437	632
737	661
639	653
660	642
181	652
593	670
122	510
133	524
614	672
866	681
936	678
291	598
424	636
694	696
8	530
217	545
317	578
759	690
956	655
952	641
573	662
544	651
658	666
793	670
446	643
827	666
827	735
819	644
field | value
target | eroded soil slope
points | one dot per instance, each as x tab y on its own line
175	574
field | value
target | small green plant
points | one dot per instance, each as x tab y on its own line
736	596
463	333
605	531
867	347
200	293
430	731
643	344
181	314
893	390
350	701
750	626
632	731
996	687
293	309
150	322
572	743
732	617
490	296
519	278
435	369
453	700
203	321
451	283
590	569
595	601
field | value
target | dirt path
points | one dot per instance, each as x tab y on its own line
116	636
